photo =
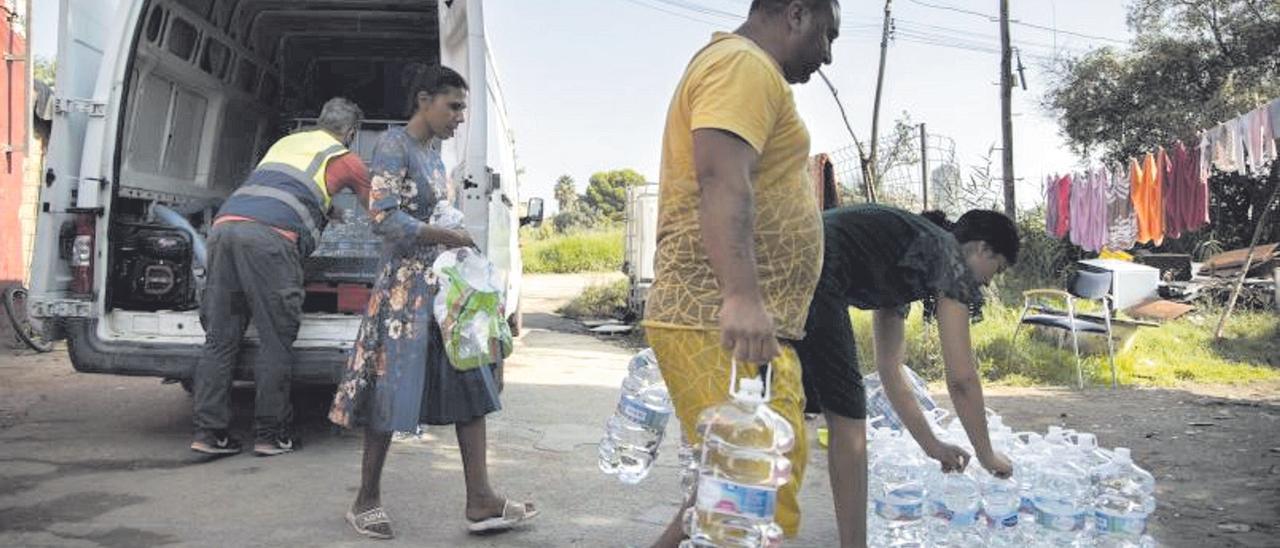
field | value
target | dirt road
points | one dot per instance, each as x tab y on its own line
102	461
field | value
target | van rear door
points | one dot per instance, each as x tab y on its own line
91	34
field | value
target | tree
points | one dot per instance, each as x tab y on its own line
1193	64
44	70
607	192
566	193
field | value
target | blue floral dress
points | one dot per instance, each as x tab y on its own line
398	375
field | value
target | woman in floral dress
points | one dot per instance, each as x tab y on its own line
399	375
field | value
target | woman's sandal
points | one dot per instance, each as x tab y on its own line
367	522
513	514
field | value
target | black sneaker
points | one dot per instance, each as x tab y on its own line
215	442
276	446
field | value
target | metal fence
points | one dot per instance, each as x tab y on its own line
907	169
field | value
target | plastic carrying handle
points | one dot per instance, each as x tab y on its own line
768	380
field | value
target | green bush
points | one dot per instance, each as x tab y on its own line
599	301
1179	351
575	252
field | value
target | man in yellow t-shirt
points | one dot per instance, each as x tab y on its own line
739	233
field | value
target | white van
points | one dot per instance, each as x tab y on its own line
171	102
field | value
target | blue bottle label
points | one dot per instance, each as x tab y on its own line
899	512
958	519
1060	522
636	411
725	497
1003	522
1110	524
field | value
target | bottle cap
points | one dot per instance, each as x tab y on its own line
1087	441
750	390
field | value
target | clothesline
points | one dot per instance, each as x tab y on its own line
1162	193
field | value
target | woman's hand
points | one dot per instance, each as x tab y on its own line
952	457
997	464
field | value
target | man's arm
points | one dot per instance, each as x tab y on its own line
348	171
963	383
726	209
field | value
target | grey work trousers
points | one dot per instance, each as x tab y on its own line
253	273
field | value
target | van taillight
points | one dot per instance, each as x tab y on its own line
82	253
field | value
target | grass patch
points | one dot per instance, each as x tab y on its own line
599	301
1180	351
577	252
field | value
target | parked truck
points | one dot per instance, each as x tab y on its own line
164	106
641	243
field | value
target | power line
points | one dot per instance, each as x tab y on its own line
675	7
1019	23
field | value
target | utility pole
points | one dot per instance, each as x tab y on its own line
924	169
1006	111
875	113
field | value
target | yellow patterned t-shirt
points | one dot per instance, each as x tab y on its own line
735	86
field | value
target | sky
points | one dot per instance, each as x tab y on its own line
587	82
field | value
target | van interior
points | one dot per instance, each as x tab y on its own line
212	84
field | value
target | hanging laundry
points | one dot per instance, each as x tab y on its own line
1273	117
1098	209
1051	204
1170	172
1238	144
1262	144
1196	214
1079	187
1122	224
1157	198
1202	185
1224	140
1064	206
1147	200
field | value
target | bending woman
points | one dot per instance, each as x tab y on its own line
883	259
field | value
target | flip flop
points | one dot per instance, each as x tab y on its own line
376	516
513	514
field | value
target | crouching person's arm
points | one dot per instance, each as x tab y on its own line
888	329
964	385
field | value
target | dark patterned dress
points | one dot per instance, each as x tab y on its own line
398	375
874	258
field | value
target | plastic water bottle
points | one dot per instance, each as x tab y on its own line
446	216
1001	505
1061	498
1028	451
688	459
741	467
878	403
635	430
954	504
1125	499
897	491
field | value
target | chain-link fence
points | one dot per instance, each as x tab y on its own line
951	187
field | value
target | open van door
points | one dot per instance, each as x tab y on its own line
462	48
73	200
482	154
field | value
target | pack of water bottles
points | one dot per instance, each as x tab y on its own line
1065	491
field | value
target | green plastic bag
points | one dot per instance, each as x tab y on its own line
472	319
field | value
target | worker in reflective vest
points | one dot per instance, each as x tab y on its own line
256	247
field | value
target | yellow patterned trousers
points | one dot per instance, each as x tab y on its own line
696	370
